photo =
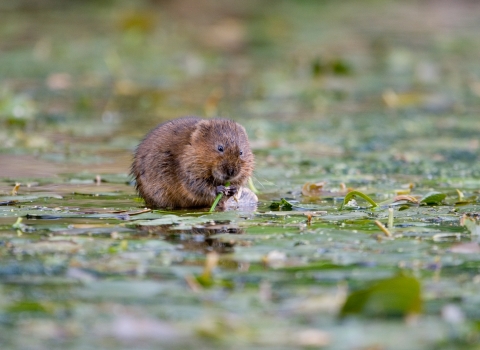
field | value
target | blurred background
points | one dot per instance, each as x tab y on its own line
83	81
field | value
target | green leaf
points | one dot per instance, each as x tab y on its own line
352	194
316	266
433	198
27	306
205	280
392	297
282	205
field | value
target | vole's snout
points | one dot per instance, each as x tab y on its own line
230	172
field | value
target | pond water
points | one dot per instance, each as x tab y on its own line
378	97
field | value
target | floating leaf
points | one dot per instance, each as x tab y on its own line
173	220
392	297
468	200
316	266
28	306
29	198
282	205
433	198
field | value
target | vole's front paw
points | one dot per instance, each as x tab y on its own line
227	191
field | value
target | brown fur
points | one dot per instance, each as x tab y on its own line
178	164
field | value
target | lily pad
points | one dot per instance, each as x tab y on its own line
29	198
392	297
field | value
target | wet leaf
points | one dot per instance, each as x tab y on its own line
282	205
319	265
29	198
433	198
391	297
28	307
352	194
173	220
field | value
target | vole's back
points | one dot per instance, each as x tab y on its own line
156	162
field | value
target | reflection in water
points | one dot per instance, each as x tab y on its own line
199	238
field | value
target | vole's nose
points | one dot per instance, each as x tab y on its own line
230	172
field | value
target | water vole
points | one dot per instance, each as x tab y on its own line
186	162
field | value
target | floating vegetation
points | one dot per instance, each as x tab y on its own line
398	296
352	194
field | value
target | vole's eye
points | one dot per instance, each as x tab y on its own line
241	153
220	148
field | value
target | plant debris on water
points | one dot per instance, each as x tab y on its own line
363	118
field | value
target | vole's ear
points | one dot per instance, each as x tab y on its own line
204	127
202	130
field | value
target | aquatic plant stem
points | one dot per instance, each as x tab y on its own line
251	185
383	228
217	199
390	218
